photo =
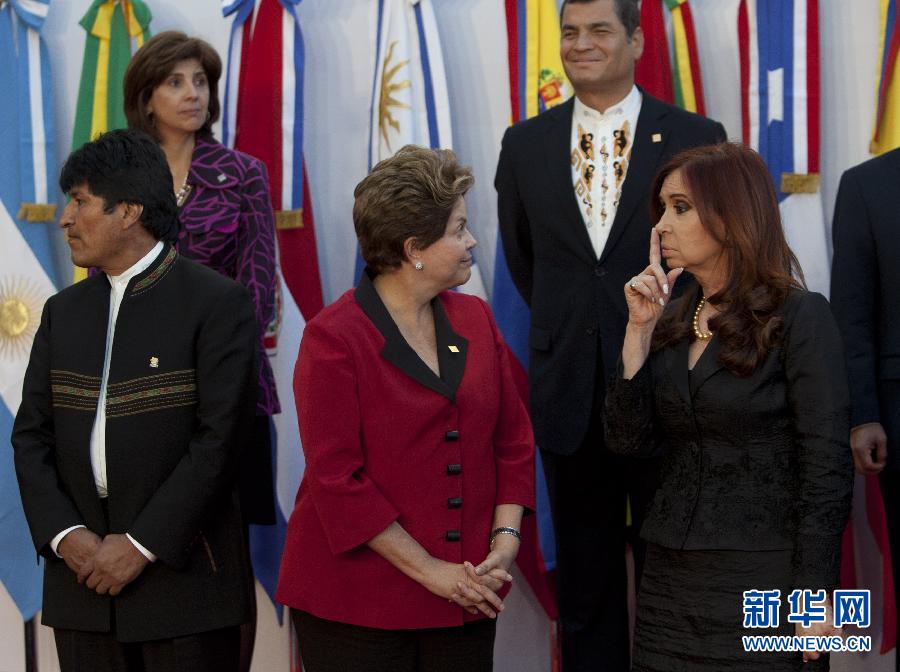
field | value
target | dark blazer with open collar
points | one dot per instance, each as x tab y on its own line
865	291
757	463
386	439
578	311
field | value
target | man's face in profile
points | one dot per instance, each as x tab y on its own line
94	231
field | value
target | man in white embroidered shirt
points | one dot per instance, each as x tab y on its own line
137	398
573	195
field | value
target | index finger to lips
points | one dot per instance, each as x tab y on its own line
655	253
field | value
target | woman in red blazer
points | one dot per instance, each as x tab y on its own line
419	451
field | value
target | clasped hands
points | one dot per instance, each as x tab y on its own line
104	565
473	588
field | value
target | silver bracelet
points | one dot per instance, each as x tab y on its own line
504	530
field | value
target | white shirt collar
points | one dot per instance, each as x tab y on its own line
627	107
121	281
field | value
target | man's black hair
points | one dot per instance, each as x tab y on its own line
627	10
127	166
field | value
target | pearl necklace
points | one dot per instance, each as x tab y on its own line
702	335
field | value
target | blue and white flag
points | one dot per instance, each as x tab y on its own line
779	45
26	271
410	101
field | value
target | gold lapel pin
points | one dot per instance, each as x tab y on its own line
154	362
453	348
656	137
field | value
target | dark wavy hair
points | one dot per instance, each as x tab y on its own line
126	166
735	199
153	62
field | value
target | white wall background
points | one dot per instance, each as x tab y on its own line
340	48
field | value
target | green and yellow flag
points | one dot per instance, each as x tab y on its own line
114	28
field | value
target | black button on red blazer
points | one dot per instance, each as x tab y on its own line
386	439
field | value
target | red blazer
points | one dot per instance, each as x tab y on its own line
386	439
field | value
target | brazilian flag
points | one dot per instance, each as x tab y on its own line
113	28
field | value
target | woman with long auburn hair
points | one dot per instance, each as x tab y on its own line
739	385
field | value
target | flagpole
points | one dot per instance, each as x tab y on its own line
30	646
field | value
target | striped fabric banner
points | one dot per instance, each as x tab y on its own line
263	116
887	119
410	104
537	83
537	80
264	99
779	57
687	81
410	100
653	71
27	205
110	26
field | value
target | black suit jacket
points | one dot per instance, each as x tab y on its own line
865	291
180	399
758	463
578	310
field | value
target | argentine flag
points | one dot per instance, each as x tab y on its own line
26	273
410	101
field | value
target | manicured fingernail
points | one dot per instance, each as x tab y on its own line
666	288
661	302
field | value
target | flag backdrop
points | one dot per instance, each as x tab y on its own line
687	81
887	115
537	83
653	71
27	198
110	27
264	118
410	101
676	80
779	62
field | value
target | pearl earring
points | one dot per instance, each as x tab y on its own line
418	266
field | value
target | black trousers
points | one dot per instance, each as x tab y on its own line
890	493
213	651
588	494
328	646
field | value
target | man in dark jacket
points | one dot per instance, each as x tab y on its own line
573	198
137	398
865	297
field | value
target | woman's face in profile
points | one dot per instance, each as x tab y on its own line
180	103
683	239
448	260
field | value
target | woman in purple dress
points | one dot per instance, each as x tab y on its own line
171	92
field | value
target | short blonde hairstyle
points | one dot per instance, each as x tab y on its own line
409	195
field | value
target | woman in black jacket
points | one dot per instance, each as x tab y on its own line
740	384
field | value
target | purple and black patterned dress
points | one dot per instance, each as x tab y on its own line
227	224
